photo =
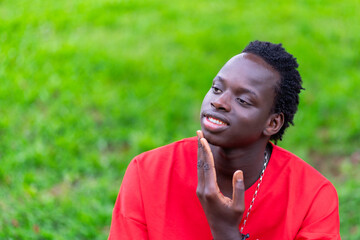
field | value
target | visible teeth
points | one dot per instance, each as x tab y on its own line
216	121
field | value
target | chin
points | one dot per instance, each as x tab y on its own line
216	139
225	141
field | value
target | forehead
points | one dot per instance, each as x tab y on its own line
250	67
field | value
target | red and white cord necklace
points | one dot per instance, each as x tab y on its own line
266	160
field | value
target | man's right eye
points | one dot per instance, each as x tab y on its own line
216	90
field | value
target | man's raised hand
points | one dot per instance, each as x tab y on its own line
223	214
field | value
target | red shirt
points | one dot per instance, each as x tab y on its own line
157	199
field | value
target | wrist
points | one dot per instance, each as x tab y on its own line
227	234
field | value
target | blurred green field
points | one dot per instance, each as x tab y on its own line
87	85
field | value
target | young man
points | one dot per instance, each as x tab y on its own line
231	182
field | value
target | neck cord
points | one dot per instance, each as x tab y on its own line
266	160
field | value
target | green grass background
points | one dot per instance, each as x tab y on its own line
87	85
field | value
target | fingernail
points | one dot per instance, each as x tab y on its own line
239	174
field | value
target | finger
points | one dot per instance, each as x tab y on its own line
200	148
209	168
200	164
238	191
199	134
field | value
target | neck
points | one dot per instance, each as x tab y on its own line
249	159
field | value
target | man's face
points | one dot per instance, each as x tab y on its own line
238	106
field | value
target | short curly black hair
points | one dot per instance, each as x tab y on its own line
290	84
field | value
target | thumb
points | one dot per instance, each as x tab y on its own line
238	191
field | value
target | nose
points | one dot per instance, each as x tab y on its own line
222	102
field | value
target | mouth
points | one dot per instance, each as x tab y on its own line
215	120
214	123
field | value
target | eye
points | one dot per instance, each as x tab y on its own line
243	102
216	90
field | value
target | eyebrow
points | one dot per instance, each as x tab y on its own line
244	90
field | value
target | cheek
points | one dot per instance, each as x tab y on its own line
252	120
206	100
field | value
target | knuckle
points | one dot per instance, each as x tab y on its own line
206	166
240	187
209	193
199	191
239	209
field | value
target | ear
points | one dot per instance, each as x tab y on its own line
274	124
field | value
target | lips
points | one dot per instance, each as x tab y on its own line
214	123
